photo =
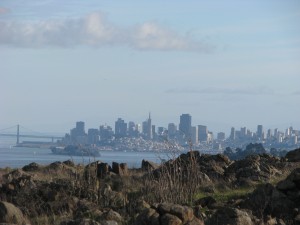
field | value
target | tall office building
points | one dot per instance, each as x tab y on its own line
78	135
185	125
120	128
232	133
93	136
194	135
202	133
147	128
172	128
243	132
132	132
150	133
260	132
221	136
106	133
80	128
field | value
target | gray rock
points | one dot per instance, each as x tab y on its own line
11	214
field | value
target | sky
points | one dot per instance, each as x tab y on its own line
227	63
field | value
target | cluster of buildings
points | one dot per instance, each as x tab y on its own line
184	135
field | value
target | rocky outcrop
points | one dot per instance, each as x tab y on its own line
282	201
168	214
214	166
254	168
293	156
10	214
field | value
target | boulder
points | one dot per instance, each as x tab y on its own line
31	167
293	156
168	214
184	213
103	169
82	221
148	217
120	168
11	214
169	219
69	163
206	202
111	215
148	165
232	216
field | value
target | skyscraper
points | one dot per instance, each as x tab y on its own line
172	128
232	133
194	135
147	128
120	128
260	132
150	133
80	128
185	125
202	133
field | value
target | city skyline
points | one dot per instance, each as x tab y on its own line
228	64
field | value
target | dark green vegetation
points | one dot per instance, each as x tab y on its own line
189	189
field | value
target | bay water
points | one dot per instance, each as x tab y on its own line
17	157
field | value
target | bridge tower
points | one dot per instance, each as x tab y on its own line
18	134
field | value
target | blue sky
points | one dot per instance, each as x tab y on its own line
227	63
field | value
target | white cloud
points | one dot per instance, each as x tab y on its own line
95	30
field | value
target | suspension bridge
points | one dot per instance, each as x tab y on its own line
33	134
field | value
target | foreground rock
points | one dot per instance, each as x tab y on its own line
168	214
293	156
254	168
281	202
10	214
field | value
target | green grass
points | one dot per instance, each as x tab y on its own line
226	195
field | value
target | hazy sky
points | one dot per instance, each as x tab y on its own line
227	63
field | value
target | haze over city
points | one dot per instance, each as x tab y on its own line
227	63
